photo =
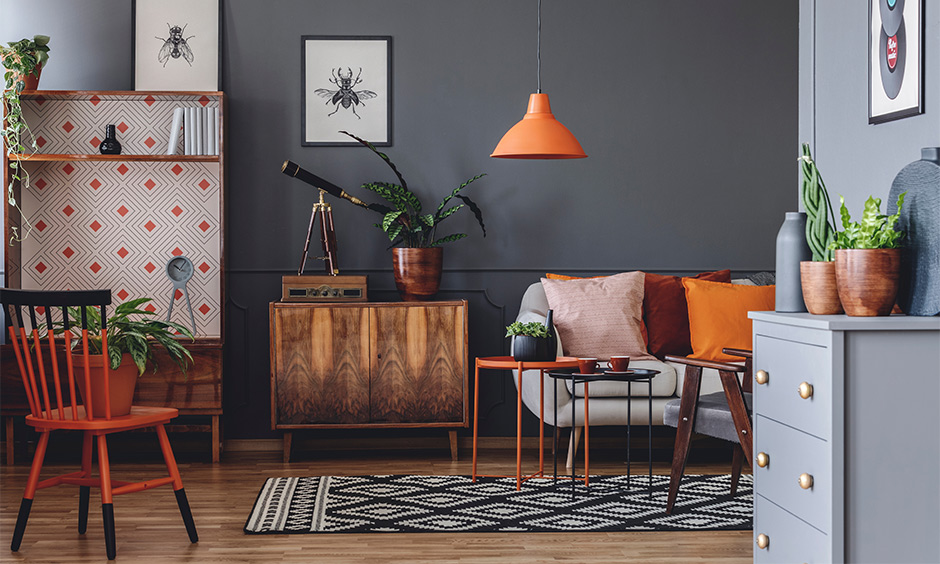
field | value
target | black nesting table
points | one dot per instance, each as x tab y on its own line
634	375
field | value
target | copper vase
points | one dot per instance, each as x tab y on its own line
867	280
417	272
818	280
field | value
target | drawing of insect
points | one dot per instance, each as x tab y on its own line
175	46
345	96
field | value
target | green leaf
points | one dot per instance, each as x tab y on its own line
383	156
389	218
448	239
428	219
477	213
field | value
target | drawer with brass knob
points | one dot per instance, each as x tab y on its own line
781	537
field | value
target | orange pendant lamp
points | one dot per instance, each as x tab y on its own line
539	135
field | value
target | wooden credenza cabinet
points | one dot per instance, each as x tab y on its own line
368	364
847	416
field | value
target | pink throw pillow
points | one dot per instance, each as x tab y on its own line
599	317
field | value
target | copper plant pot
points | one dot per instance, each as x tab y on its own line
818	280
30	81
417	272
867	280
123	382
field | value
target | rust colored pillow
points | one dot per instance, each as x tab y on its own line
599	317
666	313
718	315
552	276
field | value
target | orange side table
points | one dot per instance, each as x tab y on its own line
509	363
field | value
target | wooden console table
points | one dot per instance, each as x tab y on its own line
368	365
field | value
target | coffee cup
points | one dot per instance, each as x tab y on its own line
587	365
619	363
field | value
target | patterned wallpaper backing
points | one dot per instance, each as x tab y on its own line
116	224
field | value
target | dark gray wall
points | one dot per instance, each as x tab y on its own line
857	159
687	110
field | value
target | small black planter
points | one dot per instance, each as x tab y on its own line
532	349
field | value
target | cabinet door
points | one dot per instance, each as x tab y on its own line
322	365
418	364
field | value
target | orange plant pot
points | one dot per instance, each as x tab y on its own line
417	272
123	382
867	280
818	280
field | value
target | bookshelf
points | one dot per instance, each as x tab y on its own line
113	221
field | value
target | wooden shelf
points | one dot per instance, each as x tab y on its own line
131	94
39	157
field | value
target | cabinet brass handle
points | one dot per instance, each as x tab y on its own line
806	390
806	481
763	541
761	377
763	459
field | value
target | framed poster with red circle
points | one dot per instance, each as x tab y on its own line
895	59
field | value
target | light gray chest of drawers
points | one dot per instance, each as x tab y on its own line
847	427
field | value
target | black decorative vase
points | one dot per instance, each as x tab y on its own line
110	145
531	349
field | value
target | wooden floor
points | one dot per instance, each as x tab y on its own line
149	528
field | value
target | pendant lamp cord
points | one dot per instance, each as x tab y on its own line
538	50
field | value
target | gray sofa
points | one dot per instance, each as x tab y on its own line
607	399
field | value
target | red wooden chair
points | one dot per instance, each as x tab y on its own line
53	405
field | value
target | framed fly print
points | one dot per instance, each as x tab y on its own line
346	85
177	45
895	59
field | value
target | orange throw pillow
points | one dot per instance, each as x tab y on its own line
718	316
666	313
552	276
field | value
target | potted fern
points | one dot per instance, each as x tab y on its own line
531	342
868	259
130	349
417	256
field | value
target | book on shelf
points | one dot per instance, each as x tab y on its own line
188	133
200	130
175	128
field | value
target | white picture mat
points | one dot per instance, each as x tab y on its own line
909	95
201	18
321	57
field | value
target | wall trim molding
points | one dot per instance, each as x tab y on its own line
657	270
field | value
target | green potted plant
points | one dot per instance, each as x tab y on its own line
868	259
417	256
818	276
23	61
531	341
130	347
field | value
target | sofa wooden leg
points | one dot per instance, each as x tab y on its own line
573	443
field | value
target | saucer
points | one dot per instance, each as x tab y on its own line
619	373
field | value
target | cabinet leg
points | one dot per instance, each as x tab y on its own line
216	439
288	436
453	445
8	420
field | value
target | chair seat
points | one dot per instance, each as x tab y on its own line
139	416
713	417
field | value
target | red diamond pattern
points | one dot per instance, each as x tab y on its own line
68	210
204	226
95	226
41	267
123	169
94	100
68	169
176	252
122	127
149	142
123	211
177	169
177	295
68	127
95	184
40	141
150	308
204	101
95	141
204	184
40	99
122	252
149	267
149	226
40	225
205	309
95	267
149	100
40	183
177	211
122	294
68	252
150	184
204	267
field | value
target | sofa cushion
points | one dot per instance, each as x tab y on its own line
713	417
599	317
664	383
666	312
718	315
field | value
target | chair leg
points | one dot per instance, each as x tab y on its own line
737	461
107	502
687	409
27	503
174	472
84	492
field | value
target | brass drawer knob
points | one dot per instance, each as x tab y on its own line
761	377
763	541
806	481
806	390
763	459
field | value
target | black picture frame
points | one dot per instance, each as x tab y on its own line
325	109
216	85
895	81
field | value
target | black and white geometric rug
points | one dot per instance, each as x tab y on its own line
426	504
